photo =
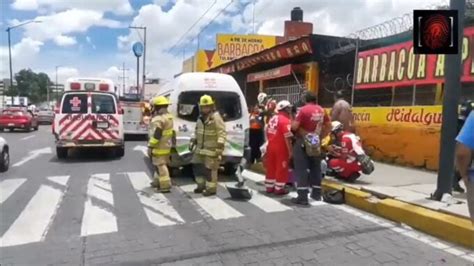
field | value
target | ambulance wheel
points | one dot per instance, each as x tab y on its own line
120	152
61	152
230	168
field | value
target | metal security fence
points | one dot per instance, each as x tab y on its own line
290	93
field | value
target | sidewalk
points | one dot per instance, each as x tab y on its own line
409	185
402	194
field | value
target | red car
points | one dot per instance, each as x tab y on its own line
17	118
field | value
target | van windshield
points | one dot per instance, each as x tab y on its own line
74	103
227	103
103	104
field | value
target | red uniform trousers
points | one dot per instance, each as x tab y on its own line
344	168
276	165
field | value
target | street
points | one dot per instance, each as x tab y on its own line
92	209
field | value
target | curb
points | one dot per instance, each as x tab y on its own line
444	226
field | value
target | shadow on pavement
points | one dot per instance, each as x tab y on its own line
136	137
87	156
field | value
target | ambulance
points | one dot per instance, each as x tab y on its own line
184	93
88	116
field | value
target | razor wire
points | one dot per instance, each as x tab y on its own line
394	26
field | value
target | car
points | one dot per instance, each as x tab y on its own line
45	115
4	155
18	118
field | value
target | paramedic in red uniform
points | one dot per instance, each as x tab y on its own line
345	150
310	120
279	151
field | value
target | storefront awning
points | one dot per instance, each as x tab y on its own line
274	73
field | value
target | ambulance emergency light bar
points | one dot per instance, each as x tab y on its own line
90	85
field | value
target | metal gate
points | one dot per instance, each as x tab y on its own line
290	93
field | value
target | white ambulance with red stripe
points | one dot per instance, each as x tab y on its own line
89	116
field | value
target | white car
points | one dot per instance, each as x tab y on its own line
4	155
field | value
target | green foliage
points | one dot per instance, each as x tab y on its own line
32	85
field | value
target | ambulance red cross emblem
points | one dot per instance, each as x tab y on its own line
76	103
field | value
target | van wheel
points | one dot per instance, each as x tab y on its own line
61	152
120	152
230	169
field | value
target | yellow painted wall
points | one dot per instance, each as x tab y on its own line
402	135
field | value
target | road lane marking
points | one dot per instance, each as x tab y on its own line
142	148
214	206
157	207
263	202
29	137
8	187
257	178
98	217
32	155
34	221
60	180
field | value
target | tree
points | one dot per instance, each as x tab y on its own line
31	85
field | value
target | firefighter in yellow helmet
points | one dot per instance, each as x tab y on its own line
208	146
161	137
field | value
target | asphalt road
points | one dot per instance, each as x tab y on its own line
93	209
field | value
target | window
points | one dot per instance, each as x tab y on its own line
227	103
373	97
74	103
403	96
13	112
103	104
425	94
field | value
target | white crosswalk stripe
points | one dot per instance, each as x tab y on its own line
157	207
98	217
214	206
7	187
263	202
32	224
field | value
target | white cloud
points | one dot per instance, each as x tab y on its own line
119	7
24	54
89	41
64	72
63	40
70	21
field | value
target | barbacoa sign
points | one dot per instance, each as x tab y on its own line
397	65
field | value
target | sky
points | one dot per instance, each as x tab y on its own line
92	37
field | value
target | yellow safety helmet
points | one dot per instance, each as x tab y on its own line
160	100
206	100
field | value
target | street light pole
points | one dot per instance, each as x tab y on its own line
10	49
56	84
10	61
451	95
144	59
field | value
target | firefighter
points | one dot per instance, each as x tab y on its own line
161	137
279	151
208	146
345	152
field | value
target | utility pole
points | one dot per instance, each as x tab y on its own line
124	76
451	95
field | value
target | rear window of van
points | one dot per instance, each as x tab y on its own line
103	104
227	103
74	104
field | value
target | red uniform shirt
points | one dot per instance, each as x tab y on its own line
278	128
312	117
350	146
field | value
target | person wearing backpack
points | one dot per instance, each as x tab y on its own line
310	125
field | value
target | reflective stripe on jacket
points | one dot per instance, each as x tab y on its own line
210	135
161	146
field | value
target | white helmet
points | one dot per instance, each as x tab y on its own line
261	97
336	126
282	105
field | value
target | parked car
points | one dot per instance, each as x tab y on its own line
4	155
18	118
45	115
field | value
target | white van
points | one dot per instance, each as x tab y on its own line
184	93
88	116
